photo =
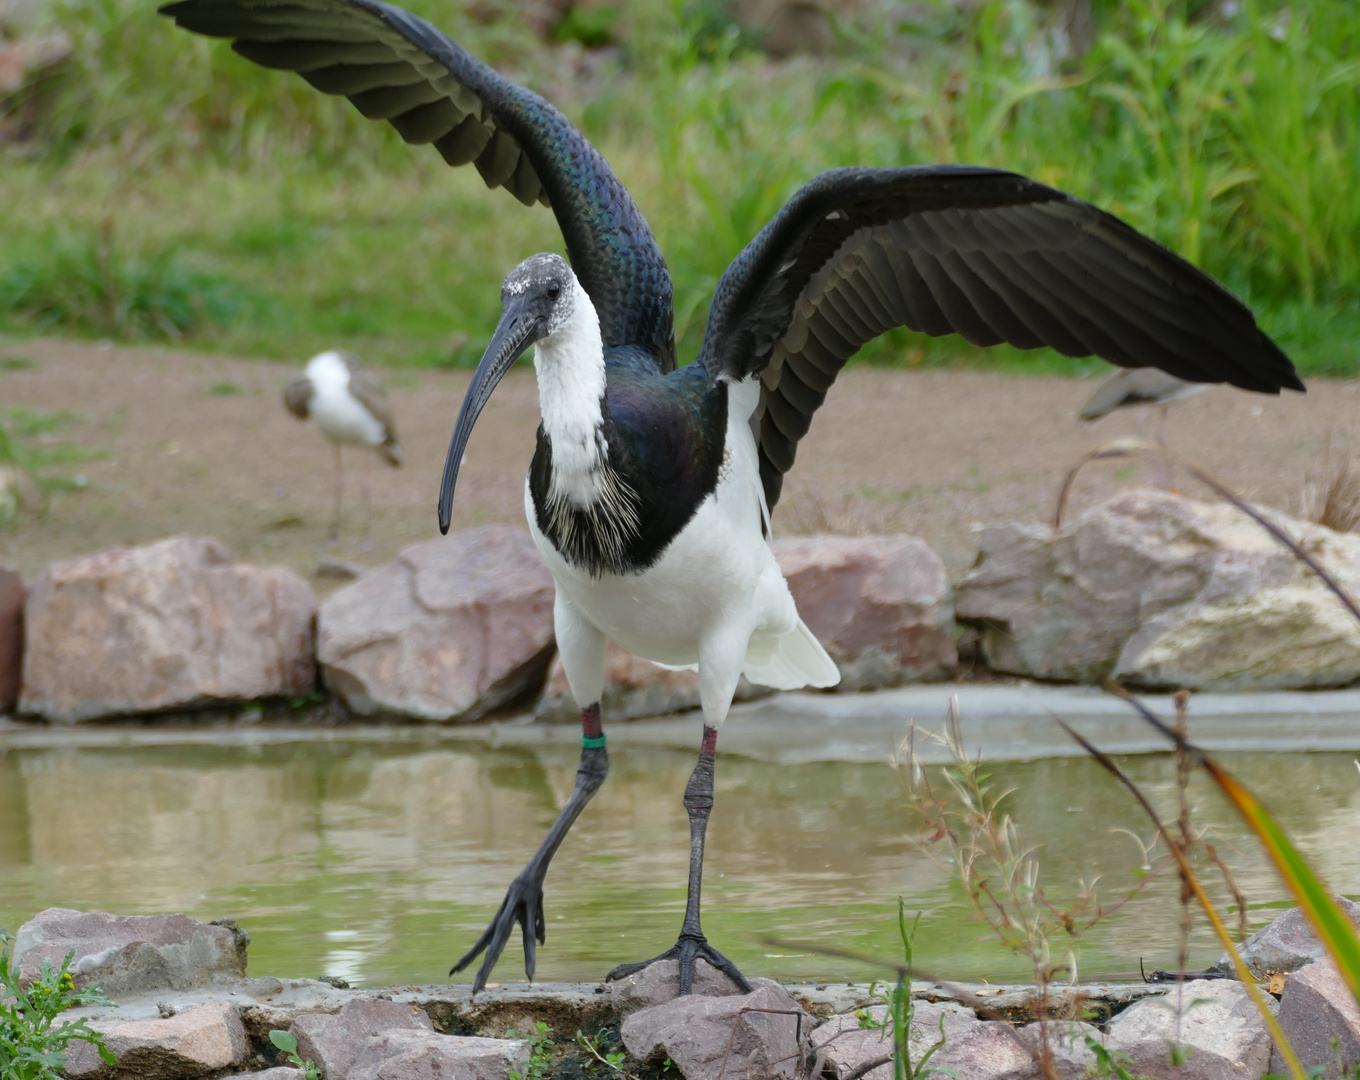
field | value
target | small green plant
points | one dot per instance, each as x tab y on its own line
287	1043
225	389
965	821
540	1052
308	700
1108	1064
611	1059
30	444
968	817
32	1045
897	1024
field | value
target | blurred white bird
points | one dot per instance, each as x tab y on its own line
1139	386
1142	386
348	406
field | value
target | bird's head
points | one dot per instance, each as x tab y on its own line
538	298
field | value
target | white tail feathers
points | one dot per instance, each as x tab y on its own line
790	662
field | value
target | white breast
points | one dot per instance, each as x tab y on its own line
336	411
719	568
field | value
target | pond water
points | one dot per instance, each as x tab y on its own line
381	862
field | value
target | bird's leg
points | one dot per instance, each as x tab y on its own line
523	901
1163	465
339	487
366	541
582	649
692	943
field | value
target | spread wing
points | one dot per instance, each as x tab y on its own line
960	249
396	67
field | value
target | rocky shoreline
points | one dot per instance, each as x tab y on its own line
1151	589
186	1009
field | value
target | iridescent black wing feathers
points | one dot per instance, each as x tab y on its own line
396	67
940	249
959	249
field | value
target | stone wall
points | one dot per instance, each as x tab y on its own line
1151	589
185	1009
448	631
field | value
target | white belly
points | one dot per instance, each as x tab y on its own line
342	418
716	571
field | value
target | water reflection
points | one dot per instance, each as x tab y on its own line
382	865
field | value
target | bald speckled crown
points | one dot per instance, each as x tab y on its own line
547	285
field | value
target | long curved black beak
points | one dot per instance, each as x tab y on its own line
517	330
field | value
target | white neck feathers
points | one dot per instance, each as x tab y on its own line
571	383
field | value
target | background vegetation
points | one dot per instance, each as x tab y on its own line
161	187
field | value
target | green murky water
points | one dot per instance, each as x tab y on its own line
381	864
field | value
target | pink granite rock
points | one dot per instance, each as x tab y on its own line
1072	1058
660	982
1160	591
170	625
1222	1035
278	1072
1318	1009
451	629
131	954
335	1041
757	1036
880	605
1285	944
843	1045
426	1055
204	1040
973	1049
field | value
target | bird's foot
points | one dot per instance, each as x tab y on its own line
687	950
523	904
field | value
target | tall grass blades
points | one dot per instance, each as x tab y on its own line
964	820
1195	887
1234	138
1334	928
92	284
1298	123
157	94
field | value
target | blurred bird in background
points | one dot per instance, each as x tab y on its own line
348	406
1142	386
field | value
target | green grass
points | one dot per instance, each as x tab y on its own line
261	217
35	453
90	284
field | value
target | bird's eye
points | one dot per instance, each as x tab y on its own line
553	289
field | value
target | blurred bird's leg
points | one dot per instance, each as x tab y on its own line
720	662
582	650
366	539
1163	465
339	489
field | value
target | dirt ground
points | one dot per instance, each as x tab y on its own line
197	444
